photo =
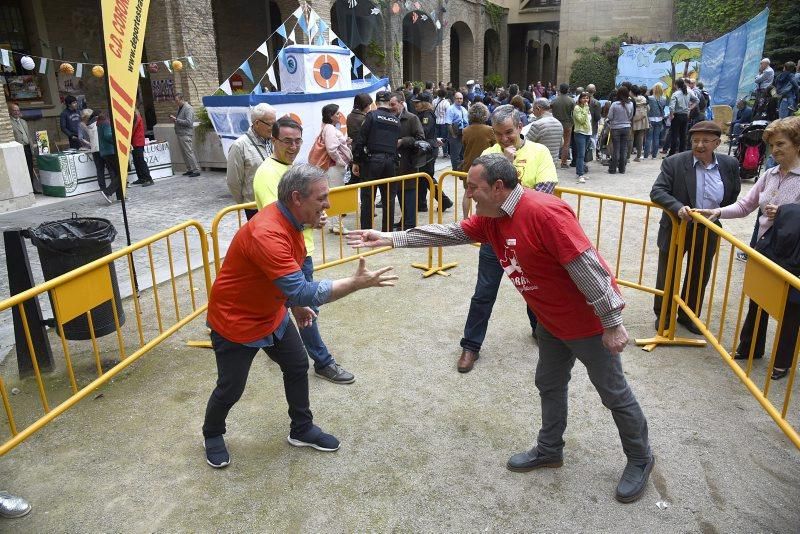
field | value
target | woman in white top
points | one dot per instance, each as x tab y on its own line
777	186
338	149
440	106
90	141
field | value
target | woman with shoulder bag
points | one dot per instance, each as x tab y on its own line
339	156
655	114
640	122
581	117
777	186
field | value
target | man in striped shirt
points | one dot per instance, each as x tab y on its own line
549	259
546	129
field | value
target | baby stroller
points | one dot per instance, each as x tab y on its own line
751	150
603	140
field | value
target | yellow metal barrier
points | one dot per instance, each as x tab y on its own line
344	200
75	294
760	279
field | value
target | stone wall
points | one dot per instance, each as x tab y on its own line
580	20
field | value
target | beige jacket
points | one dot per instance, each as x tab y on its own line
246	154
22	133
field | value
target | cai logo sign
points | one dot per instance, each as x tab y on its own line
291	64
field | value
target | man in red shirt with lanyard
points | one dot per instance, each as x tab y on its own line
260	278
544	251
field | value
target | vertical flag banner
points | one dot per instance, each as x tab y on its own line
124	23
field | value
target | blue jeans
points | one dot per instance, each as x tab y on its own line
581	142
480	308
456	153
653	140
310	335
783	107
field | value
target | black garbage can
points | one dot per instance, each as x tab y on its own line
71	243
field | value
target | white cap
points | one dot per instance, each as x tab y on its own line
470	82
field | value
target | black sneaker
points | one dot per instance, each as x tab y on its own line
194	174
216	453
634	481
138	182
147	183
529	460
316	439
335	373
446	203
187	173
105	196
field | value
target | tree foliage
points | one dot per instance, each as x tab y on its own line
593	67
705	20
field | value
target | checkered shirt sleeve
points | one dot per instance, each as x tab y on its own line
595	283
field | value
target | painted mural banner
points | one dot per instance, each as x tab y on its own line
730	63
662	63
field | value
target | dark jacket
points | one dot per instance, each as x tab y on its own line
562	108
410	132
676	187
783	240
70	123
354	122
428	119
105	137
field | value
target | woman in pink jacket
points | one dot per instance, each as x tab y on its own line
337	145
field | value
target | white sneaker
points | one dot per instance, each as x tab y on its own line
105	196
581	180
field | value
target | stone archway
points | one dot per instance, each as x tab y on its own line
359	30
419	38
462	45
491	52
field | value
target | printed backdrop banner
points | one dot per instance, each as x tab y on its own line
730	63
124	23
649	64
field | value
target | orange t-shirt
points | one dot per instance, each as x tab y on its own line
245	304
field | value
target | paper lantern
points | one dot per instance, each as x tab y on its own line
98	71
152	67
177	65
27	63
66	68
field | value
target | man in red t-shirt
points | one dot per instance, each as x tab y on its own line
260	277
544	251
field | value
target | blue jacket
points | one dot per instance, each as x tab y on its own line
70	123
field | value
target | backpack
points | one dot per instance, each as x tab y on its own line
751	157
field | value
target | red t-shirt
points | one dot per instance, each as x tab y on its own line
532	246
245	304
137	138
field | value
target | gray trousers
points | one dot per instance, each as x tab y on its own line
187	149
556	359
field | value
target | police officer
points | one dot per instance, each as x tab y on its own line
375	157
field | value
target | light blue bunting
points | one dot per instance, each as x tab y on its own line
356	63
282	31
245	67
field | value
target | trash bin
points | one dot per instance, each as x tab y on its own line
71	243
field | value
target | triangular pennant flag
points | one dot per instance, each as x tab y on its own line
356	63
226	87
190	60
141	71
169	67
43	66
263	49
271	76
79	70
323	26
367	72
282	56
332	37
292	37
313	33
301	21
4	55
281	31
60	52
257	90
246	70
298	13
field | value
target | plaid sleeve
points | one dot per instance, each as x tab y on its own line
431	235
594	282
546	187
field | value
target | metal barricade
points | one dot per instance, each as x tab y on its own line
77	292
345	202
768	287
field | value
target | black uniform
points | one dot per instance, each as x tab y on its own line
375	151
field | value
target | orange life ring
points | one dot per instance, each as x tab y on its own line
326	71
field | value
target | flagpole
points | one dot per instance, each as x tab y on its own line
134	282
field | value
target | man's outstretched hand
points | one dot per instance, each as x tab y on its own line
368	239
364	278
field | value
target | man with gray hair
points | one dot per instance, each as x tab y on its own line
184	131
552	263
765	75
247	153
247	309
546	129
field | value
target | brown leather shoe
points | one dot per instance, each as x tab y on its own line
467	360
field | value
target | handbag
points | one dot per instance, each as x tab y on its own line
589	156
318	155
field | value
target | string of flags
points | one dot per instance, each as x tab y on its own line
314	28
76	67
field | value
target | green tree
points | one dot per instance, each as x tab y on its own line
783	38
592	67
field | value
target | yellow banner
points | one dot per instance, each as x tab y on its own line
124	23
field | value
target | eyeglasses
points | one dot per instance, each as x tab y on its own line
292	142
265	123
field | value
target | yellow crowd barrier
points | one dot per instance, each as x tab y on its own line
76	294
763	282
345	207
